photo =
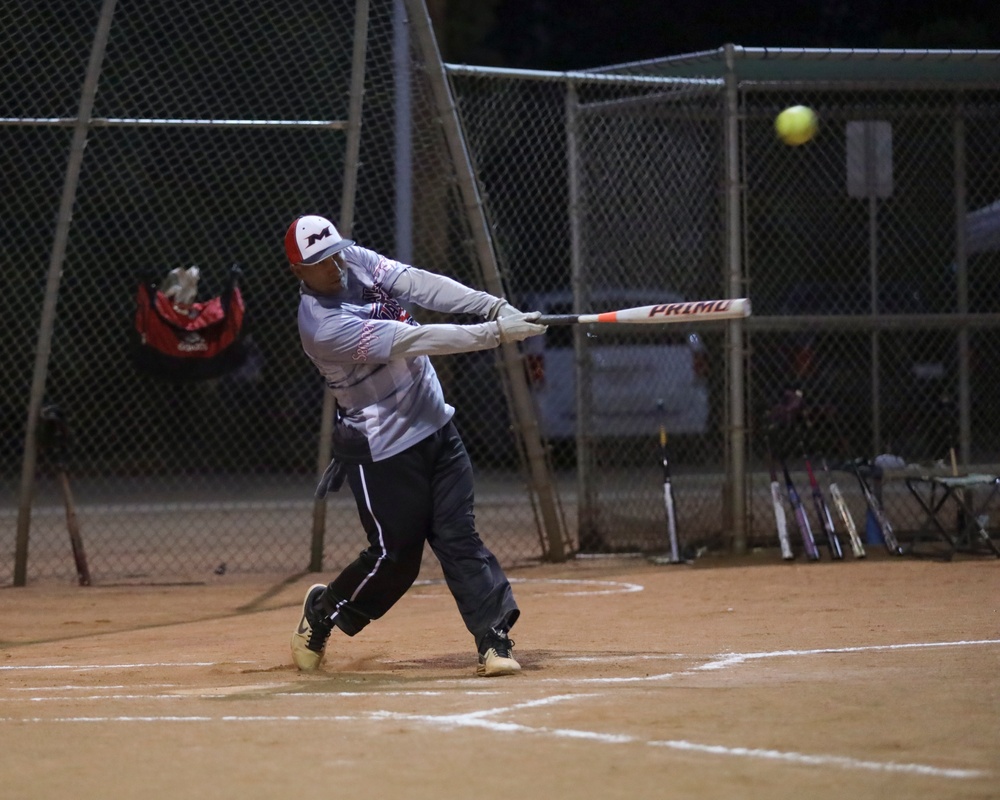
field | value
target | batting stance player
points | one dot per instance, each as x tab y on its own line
394	440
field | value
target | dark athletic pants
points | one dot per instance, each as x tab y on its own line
423	494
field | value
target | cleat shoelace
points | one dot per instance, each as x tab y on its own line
318	636
319	632
502	645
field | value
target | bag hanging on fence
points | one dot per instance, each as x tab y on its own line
177	339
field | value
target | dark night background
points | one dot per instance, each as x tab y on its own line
577	34
154	180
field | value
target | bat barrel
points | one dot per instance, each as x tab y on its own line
697	311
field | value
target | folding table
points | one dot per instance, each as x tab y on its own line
970	497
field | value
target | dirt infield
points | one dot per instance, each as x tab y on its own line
727	678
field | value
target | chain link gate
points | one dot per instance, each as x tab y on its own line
601	184
853	252
870	254
605	192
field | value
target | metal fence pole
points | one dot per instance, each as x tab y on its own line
737	477
962	277
345	222
542	483
48	317
586	506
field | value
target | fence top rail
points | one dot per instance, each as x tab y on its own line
873	54
577	76
834	64
868	85
139	122
818	54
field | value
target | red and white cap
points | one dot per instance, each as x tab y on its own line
311	238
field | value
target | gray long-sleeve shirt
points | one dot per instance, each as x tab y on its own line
365	345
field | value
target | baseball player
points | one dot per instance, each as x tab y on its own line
394	440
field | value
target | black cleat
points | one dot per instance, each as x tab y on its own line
309	638
496	656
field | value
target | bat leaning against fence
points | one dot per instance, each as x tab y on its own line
778	505
805	530
54	440
664	313
668	492
73	527
878	512
857	547
823	512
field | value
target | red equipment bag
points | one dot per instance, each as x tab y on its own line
192	342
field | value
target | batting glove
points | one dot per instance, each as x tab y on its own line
520	326
500	309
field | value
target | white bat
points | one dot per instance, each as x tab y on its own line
781	521
668	494
845	514
692	311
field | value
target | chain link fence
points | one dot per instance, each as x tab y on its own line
605	193
865	264
870	254
208	133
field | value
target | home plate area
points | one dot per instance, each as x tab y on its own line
728	682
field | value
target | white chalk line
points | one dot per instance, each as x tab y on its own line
90	667
718	661
724	660
617	659
89	687
602	587
101	697
478	719
824	760
229	691
191	718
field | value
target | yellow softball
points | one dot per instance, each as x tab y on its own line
796	125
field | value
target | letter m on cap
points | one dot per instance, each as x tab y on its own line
315	237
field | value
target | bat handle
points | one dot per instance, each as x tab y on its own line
558	319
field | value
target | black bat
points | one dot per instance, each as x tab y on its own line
780	520
668	492
75	539
805	530
878	512
823	513
54	440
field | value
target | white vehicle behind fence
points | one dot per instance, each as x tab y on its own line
631	368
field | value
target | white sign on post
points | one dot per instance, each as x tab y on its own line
869	158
